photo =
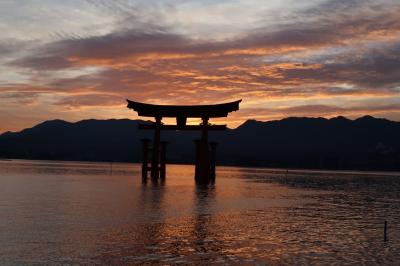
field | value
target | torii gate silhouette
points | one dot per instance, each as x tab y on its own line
205	151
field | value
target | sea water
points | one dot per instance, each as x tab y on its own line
102	213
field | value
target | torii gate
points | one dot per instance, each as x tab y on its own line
205	151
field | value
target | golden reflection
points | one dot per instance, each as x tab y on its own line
203	234
151	199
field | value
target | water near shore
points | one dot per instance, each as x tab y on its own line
98	213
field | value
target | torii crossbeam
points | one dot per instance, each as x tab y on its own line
205	151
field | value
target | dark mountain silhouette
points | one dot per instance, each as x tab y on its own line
366	143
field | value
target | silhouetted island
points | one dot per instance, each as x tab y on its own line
366	143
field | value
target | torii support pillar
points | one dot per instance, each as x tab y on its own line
203	173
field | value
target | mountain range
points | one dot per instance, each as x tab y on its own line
366	143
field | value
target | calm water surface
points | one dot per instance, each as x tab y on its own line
97	213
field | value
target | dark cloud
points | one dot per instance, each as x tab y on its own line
372	69
43	62
330	30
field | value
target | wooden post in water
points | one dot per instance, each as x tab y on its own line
385	238
145	158
203	161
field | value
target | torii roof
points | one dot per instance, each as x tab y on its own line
211	110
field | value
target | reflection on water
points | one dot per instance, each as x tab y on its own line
99	213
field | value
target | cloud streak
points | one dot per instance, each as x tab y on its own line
324	59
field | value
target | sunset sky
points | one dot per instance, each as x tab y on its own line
75	60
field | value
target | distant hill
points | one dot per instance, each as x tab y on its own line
365	143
